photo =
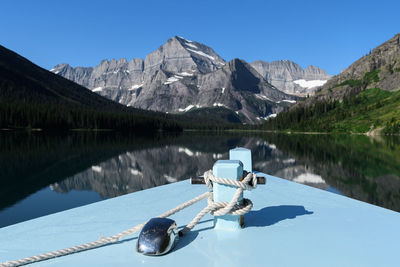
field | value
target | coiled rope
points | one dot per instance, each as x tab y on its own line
215	208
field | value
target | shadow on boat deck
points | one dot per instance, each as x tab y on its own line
271	215
190	236
259	218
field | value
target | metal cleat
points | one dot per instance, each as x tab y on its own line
158	237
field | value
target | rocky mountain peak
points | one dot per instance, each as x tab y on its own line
181	55
181	76
201	52
236	63
60	67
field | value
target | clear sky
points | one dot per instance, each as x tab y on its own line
328	34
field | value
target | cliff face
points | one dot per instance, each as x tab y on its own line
290	78
183	75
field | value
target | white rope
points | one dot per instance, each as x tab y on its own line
222	208
215	208
98	243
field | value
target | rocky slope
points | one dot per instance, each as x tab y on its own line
290	78
183	75
364	98
379	69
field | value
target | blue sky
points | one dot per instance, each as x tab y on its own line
328	34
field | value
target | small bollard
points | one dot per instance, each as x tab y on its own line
239	161
230	169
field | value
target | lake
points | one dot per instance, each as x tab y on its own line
42	173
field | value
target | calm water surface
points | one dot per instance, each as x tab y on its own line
43	173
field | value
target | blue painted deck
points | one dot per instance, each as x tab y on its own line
290	225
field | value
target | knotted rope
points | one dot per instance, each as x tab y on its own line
215	208
222	208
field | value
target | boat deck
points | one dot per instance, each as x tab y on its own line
290	225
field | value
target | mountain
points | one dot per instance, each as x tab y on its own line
181	76
34	97
379	69
365	97
125	82
290	78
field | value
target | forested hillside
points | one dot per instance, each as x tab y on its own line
32	97
363	98
372	109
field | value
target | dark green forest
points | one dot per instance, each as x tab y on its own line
49	116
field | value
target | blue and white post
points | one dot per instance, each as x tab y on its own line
240	159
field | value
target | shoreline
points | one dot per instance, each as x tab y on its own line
369	133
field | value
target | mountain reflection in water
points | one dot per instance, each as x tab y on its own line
112	164
137	170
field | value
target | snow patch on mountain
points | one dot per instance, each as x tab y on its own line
173	79
55	70
188	108
185	74
310	84
219	105
201	53
135	86
263	97
192	45
287	100
189	41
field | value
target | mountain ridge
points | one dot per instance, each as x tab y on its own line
290	77
180	75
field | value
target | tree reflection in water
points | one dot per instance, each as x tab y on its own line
114	164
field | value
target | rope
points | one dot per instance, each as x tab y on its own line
215	208
98	243
222	208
